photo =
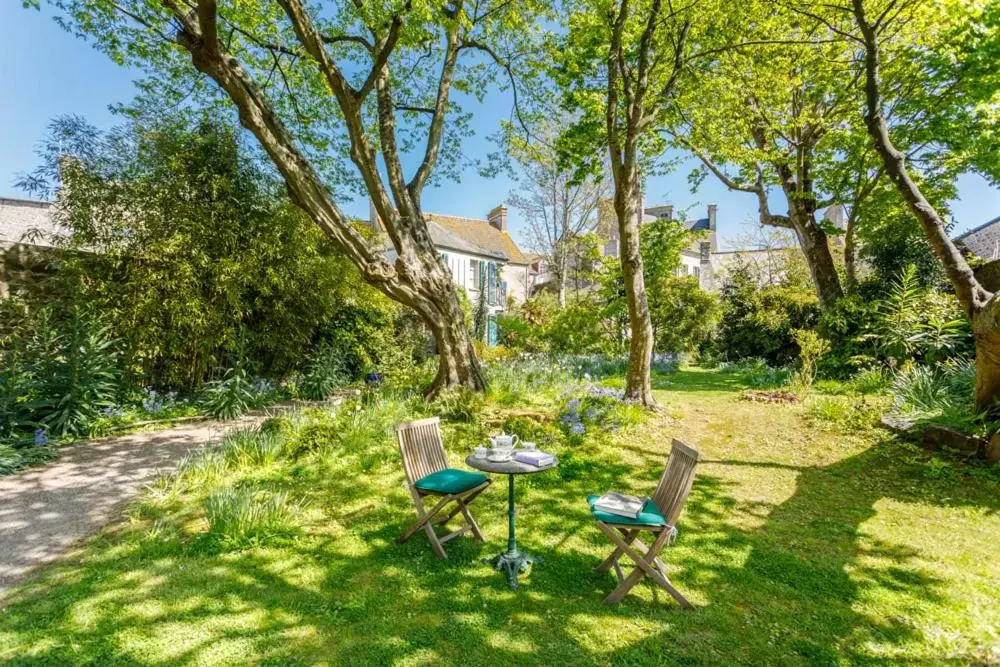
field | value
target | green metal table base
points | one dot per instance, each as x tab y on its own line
513	561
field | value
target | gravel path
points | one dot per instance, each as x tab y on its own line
44	511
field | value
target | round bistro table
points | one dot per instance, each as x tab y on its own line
513	561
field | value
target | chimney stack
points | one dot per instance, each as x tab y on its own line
498	217
712	210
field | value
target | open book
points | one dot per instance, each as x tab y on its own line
620	504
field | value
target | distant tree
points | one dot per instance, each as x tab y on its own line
620	64
558	208
768	117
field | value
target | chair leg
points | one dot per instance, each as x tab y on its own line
472	522
463	500
425	522
644	567
608	562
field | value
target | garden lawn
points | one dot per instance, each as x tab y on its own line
809	538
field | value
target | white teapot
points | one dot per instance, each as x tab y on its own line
504	441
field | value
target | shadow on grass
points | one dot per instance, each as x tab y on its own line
788	592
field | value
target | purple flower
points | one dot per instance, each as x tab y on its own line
41	438
577	429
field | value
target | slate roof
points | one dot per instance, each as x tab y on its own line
977	229
983	241
444	238
481	234
699	225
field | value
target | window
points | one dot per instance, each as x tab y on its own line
696	271
475	268
491	284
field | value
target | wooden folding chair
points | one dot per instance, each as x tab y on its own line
659	516
428	474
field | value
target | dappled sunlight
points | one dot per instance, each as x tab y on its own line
796	545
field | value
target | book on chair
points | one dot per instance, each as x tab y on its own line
620	504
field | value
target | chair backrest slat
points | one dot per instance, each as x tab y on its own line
675	484
421	448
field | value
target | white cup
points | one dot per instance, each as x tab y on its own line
481	451
530	446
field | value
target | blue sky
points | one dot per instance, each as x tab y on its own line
66	76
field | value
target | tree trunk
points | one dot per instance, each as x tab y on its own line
418	278
986	328
816	248
561	268
637	381
458	365
432	295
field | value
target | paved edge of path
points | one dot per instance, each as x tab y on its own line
45	511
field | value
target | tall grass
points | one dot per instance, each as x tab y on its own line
251	447
240	518
941	393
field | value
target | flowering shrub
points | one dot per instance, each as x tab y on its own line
599	409
154	402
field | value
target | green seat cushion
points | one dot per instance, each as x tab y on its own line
450	480
649	516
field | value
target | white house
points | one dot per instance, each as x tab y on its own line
483	259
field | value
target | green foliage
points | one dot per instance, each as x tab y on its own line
811	347
846	412
480	318
459	405
14	459
252	447
757	372
684	315
913	322
243	517
324	373
870	381
581	328
518	333
942	393
202	256
229	397
58	372
757	321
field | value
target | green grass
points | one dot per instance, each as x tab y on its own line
809	538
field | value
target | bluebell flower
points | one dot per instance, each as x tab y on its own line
577	429
41	438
